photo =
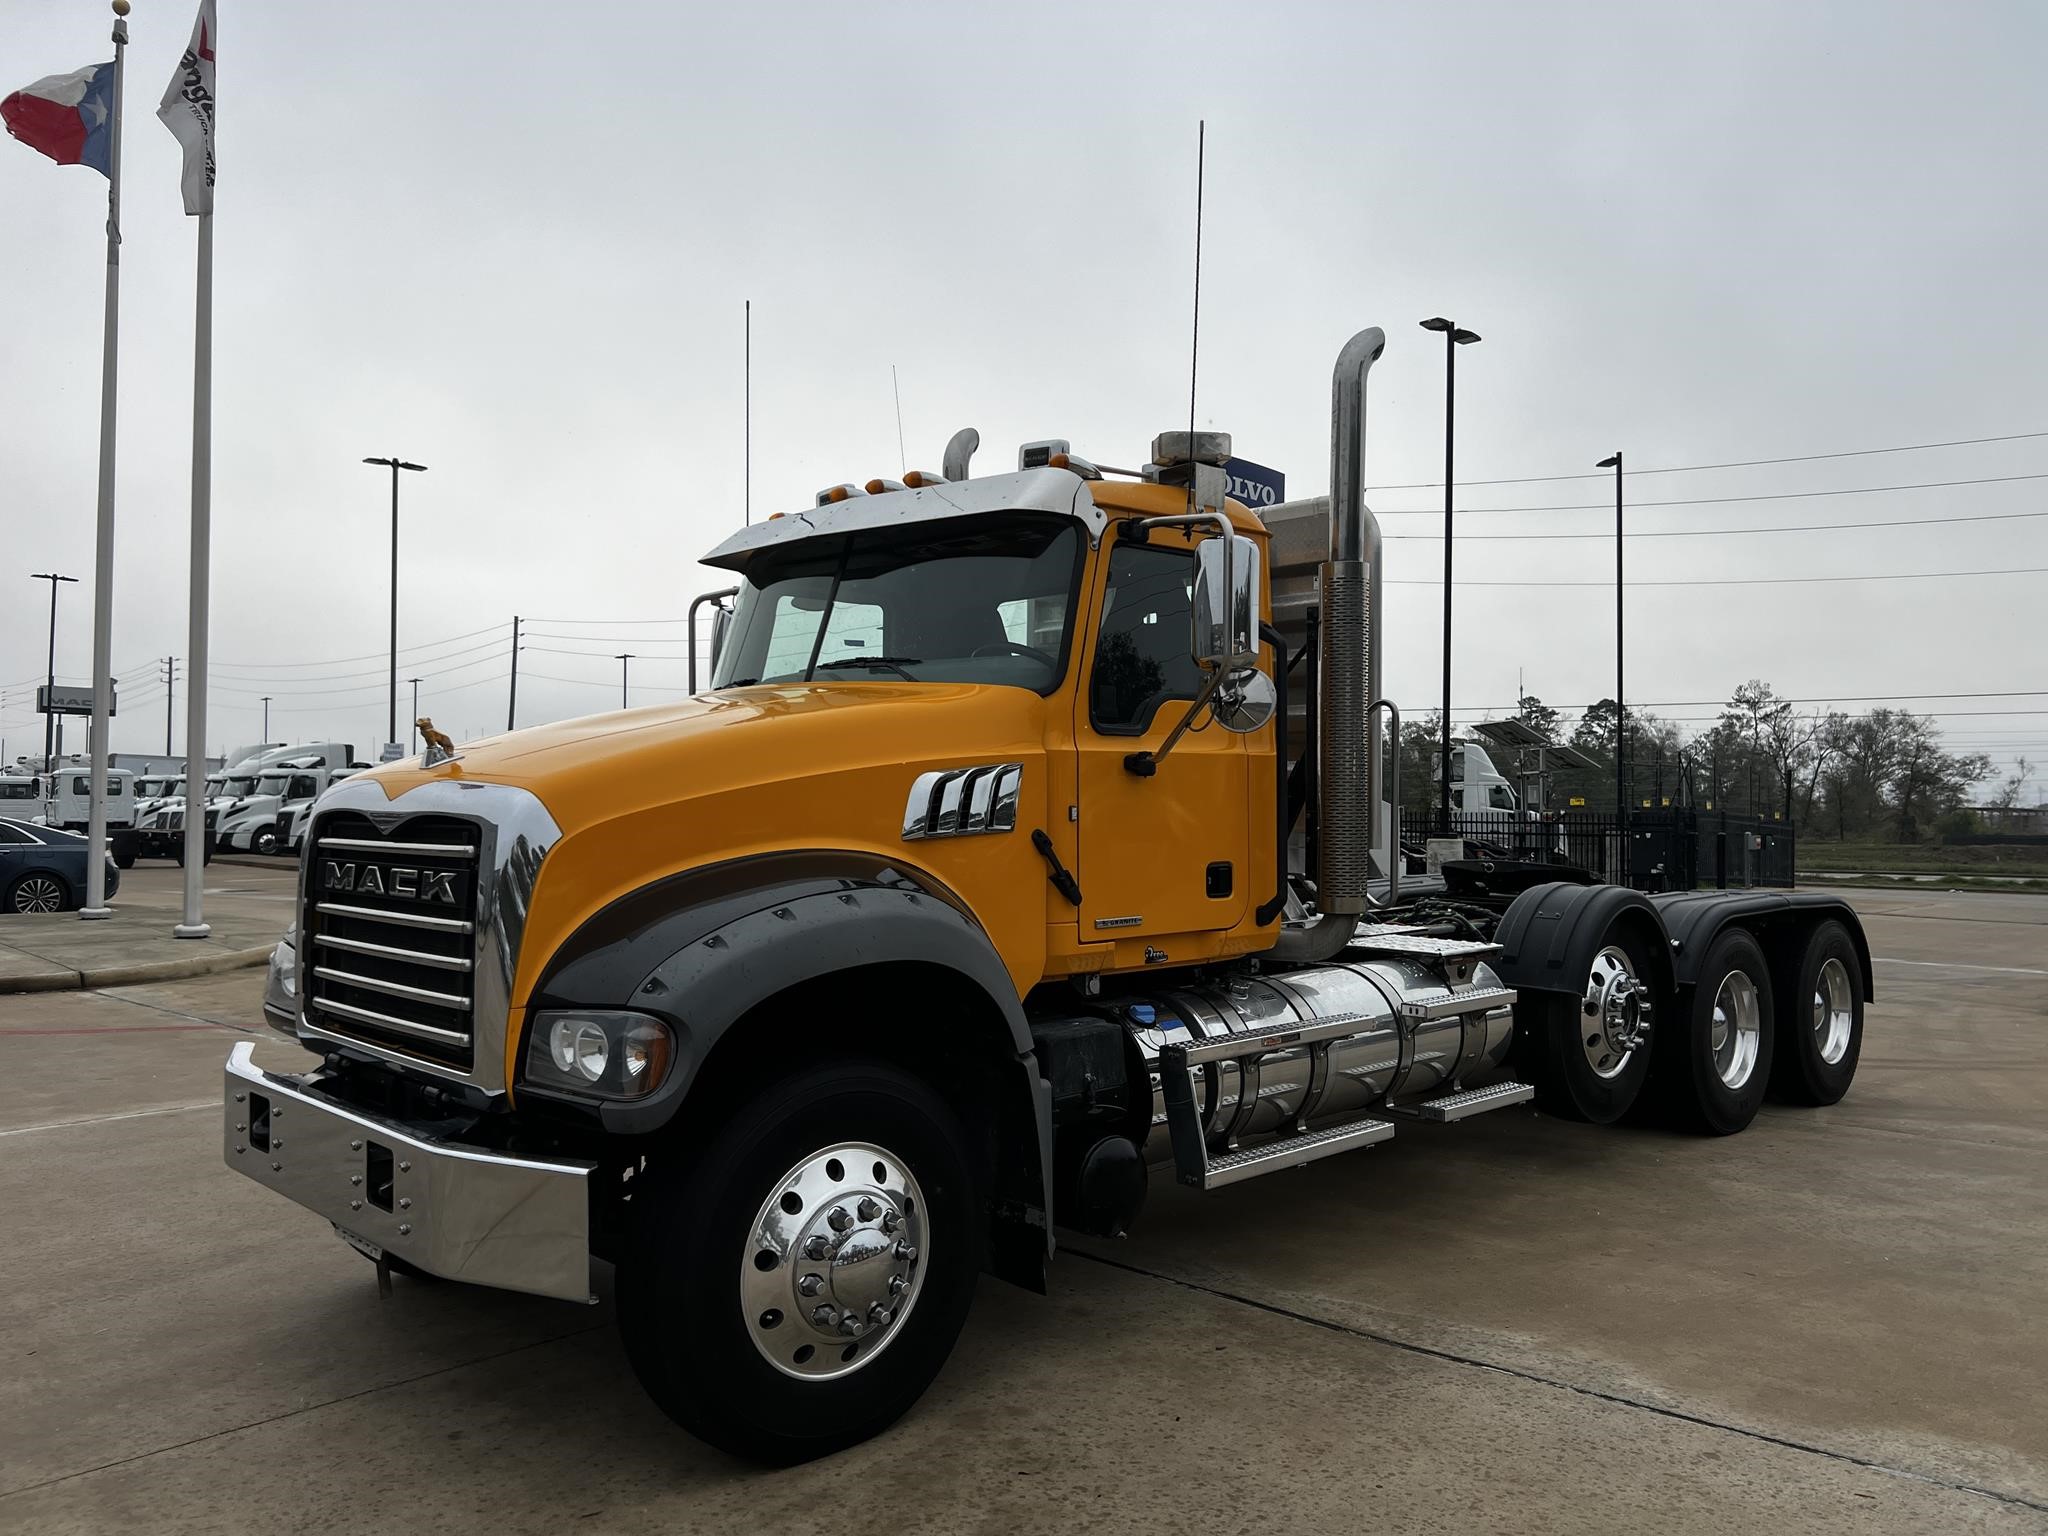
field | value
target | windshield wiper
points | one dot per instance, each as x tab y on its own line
893	663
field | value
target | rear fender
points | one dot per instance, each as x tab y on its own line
1782	922
1552	932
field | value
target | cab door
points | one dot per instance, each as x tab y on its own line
1163	855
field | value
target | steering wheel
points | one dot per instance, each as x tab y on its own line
1012	648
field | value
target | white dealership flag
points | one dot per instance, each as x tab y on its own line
187	110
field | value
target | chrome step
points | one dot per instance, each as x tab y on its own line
1293	1152
1444	1005
1262	1038
1463	1106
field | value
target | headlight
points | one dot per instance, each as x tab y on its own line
599	1054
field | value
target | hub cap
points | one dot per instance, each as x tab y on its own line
1615	1020
38	893
834	1261
1834	1012
1738	1029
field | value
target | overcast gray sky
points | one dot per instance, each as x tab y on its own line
513	242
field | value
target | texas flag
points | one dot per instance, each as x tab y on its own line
67	117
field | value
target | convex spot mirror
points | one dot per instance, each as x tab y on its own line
1244	701
1226	604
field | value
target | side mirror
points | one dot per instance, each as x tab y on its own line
1226	604
721	625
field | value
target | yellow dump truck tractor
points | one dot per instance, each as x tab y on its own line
1031	838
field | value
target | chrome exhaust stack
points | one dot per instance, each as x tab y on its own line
1347	765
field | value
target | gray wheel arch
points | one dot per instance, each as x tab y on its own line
709	949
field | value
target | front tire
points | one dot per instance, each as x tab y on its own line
1822	1037
1713	1068
1588	1056
265	841
794	1286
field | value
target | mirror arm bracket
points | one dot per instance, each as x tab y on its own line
1145	764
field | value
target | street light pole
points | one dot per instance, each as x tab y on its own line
49	715
266	719
624	659
1620	708
1454	338
415	712
395	465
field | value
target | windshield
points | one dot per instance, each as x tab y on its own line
147	788
981	601
272	783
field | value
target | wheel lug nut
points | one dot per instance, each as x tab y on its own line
869	1210
824	1317
810	1285
851	1325
840	1218
898	1285
878	1314
816	1248
891	1221
906	1253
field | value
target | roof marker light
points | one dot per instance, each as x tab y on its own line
837	493
918	479
880	487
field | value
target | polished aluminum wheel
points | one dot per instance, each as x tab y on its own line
38	893
1834	1011
834	1261
1617	1012
1738	1028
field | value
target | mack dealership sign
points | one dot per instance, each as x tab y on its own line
1254	484
69	701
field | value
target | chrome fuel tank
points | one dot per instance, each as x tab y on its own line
1392	1056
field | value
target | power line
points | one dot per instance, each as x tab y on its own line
1686	469
1694	533
1738	581
329	661
1721	501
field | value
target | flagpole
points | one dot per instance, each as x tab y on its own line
195	925
103	562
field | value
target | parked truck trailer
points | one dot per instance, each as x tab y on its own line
955	911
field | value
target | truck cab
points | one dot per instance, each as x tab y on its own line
259	822
994	873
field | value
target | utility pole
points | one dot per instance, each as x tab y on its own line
395	465
1620	694
512	704
624	659
415	712
49	714
266	719
170	690
1454	338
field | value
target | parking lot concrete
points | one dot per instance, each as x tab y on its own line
248	905
1829	1323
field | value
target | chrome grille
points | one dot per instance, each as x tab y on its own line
388	937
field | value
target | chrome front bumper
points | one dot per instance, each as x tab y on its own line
517	1223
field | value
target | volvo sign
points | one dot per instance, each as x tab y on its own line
1254	484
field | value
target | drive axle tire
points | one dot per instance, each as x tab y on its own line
792	1287
1588	1057
1713	1067
1820	1038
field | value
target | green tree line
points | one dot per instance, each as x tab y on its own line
1881	774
